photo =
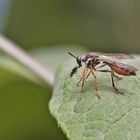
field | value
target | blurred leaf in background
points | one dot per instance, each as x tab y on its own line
24	104
24	110
111	26
54	56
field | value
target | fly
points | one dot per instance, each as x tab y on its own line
95	61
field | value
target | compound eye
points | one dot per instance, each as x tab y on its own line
85	59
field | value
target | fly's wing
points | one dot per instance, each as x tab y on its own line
113	55
118	56
110	61
113	59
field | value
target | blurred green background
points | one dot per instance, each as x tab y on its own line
99	25
108	26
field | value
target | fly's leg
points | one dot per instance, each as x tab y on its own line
113	84
100	66
112	78
84	78
96	83
116	76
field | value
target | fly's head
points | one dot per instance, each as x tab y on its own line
79	62
90	60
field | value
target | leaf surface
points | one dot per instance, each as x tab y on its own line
83	117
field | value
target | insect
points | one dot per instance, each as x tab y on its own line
94	61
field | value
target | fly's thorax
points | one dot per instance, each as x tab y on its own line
91	62
90	58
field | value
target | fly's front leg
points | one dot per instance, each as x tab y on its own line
87	73
85	77
82	77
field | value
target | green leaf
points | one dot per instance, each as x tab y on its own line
50	57
83	117
24	104
15	67
24	113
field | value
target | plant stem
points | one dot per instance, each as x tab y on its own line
20	55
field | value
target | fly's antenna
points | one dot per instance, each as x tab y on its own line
72	55
78	59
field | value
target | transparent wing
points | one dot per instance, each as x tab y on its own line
113	58
114	55
107	60
118	55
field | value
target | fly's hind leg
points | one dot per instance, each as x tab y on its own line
98	69
112	79
116	76
113	84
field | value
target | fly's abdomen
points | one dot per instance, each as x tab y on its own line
123	70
